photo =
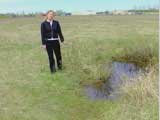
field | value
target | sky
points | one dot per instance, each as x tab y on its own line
29	6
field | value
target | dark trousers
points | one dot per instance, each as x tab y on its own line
54	47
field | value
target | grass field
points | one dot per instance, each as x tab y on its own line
29	92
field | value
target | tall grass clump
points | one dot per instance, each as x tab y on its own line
142	57
144	89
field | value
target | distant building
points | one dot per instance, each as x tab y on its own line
84	13
119	12
131	13
102	13
68	14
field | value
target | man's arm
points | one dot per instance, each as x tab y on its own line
60	32
42	34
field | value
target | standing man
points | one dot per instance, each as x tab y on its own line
50	34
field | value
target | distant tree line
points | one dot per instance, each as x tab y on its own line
2	15
144	10
103	13
23	14
63	13
132	11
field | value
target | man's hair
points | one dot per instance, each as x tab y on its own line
48	13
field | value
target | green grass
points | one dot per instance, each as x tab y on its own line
29	92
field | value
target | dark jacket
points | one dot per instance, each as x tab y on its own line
47	32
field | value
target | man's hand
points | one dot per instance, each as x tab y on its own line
62	40
44	47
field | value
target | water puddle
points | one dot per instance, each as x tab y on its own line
109	88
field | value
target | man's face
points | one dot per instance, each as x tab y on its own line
50	15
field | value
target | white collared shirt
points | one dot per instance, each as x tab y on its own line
51	23
51	28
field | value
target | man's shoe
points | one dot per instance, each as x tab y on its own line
60	67
53	70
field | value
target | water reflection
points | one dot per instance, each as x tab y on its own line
109	89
